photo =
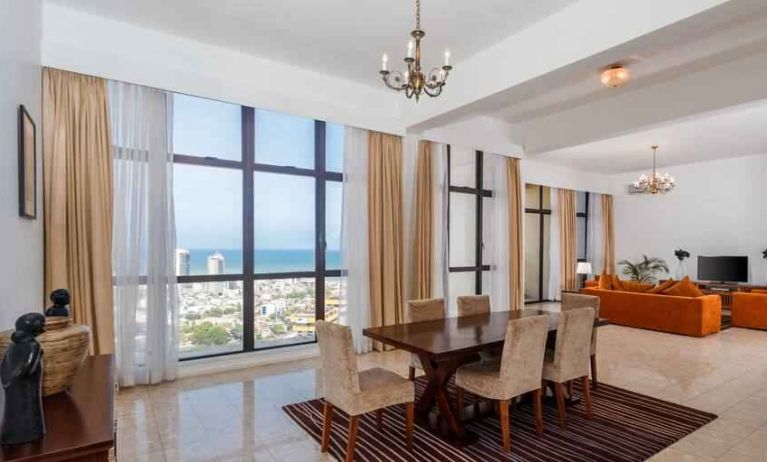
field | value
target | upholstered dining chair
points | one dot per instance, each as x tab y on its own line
518	372
419	311
354	392
572	301
469	305
570	358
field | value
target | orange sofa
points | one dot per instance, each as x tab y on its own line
694	316
749	309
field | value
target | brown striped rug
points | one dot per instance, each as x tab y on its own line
627	426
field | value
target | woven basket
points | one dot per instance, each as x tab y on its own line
65	346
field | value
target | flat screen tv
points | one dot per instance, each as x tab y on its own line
723	269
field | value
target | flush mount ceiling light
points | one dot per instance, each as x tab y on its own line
616	76
413	81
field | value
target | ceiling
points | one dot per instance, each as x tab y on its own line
734	132
339	37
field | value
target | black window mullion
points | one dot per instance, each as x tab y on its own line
319	220
478	241
248	264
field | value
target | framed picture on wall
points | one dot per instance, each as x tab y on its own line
27	165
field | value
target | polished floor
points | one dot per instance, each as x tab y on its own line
237	416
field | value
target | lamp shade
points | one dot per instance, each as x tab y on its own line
584	267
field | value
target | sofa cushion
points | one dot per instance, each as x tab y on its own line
661	286
635	286
759	291
616	283
605	281
684	288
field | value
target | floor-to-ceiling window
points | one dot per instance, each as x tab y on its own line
468	209
258	217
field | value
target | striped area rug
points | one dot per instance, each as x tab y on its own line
627	426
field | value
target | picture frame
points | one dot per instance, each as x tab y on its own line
27	165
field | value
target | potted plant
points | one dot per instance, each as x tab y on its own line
644	271
681	255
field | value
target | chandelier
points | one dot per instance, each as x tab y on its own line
413	81
656	183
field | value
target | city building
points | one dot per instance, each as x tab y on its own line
182	262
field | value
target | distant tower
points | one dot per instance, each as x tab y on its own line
216	265
182	262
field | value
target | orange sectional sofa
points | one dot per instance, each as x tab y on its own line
694	316
749	309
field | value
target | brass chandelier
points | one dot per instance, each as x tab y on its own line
656	183
413	81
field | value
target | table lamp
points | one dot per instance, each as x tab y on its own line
584	267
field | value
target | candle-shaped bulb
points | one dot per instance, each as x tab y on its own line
410	46
384	61
447	57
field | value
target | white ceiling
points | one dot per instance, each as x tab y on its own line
339	37
735	132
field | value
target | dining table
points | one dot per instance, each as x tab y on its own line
443	345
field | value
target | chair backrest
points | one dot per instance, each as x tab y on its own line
573	347
339	363
523	351
425	310
575	301
469	305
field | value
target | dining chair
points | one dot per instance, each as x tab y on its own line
469	305
419	311
355	392
518	372
572	301
570	358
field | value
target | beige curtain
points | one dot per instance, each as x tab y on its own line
516	245
609	233
77	171
568	240
385	229
423	240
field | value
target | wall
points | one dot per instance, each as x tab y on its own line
21	240
90	44
717	208
556	176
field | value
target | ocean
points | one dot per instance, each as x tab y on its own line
266	260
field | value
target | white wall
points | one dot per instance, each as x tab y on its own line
21	240
717	208
556	176
90	44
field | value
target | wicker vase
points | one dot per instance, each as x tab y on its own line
65	346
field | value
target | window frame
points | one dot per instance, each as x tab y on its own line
248	166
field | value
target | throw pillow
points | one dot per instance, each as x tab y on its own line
605	282
635	286
617	284
684	288
661	286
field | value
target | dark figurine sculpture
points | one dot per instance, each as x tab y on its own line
21	372
60	299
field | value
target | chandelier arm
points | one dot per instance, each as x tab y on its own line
433	92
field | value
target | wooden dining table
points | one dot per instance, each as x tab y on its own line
444	345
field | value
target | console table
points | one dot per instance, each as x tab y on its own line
79	422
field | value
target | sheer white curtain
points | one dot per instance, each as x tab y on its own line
595	242
440	195
495	228
554	289
355	288
144	236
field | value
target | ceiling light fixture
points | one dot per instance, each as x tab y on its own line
616	76
656	183
414	82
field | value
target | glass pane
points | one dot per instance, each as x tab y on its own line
581	222
208	204
283	207
546	256
462	283
333	203
334	147
210	315
463	163
546	195
335	305
463	229
488	230
284	311
580	202
283	139
207	128
532	257
532	196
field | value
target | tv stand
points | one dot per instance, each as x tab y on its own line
725	290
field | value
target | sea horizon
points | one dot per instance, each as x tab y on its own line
265	260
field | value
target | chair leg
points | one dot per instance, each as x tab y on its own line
503	414
587	396
459	402
477	399
379	418
410	412
326	420
594	370
411	373
538	411
559	393
353	421
570	389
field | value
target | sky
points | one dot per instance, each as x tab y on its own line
208	200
